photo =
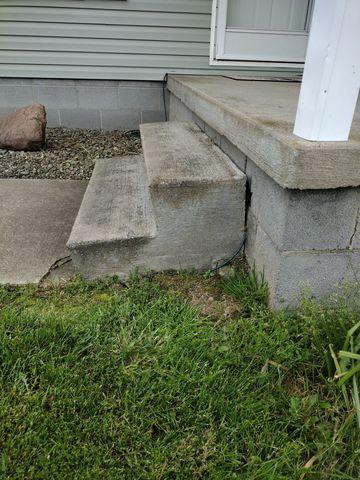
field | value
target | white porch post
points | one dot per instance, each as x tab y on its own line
331	78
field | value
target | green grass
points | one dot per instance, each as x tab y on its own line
99	381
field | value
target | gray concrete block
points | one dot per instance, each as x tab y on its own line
55	96
15	81
299	220
121	102
5	111
80	118
16	96
151	98
292	275
129	97
122	119
53	118
139	96
103	98
53	82
355	238
150	116
97	83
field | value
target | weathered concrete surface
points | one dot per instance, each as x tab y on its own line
172	215
179	154
197	193
35	222
300	220
80	103
115	220
294	274
116	205
258	118
179	112
304	241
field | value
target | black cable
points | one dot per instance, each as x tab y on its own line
164	83
232	258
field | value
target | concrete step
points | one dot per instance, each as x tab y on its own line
115	221
180	154
198	195
180	206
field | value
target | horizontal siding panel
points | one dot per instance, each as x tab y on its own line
33	29
110	73
91	45
102	59
106	39
111	17
175	6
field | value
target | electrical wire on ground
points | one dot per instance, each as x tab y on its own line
229	260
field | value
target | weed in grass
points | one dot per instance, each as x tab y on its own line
104	382
248	287
347	364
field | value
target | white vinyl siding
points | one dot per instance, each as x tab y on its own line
105	39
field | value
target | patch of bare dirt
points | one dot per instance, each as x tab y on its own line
203	293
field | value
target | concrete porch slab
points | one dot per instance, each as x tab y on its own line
35	223
258	118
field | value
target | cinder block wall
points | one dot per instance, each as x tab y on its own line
93	104
304	241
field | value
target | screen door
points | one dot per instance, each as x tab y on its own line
262	30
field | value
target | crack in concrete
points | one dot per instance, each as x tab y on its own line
357	220
57	264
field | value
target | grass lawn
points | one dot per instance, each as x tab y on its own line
174	377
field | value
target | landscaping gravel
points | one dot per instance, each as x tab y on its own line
68	154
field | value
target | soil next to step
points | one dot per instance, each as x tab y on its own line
68	154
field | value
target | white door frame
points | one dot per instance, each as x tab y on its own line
217	42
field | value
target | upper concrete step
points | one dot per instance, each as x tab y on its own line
116	206
178	153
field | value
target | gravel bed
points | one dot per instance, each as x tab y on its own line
68	154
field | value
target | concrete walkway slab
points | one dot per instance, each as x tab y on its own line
36	217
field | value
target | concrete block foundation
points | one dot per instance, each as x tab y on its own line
92	104
301	240
306	241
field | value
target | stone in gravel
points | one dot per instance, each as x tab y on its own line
24	129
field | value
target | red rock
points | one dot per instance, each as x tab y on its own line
24	129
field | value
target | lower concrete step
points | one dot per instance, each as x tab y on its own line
115	221
198	196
